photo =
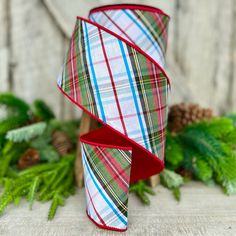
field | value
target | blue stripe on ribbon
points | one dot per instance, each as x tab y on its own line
133	92
103	195
94	76
143	30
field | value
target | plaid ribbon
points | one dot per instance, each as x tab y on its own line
114	72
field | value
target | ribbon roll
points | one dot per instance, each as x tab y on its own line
114	71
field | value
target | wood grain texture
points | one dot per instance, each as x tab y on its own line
203	211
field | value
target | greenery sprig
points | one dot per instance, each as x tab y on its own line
207	150
141	189
44	182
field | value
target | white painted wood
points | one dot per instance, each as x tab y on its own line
37	52
202	50
65	14
203	211
4	59
4	85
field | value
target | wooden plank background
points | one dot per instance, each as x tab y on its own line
201	57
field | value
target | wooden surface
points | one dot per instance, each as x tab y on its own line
201	55
203	211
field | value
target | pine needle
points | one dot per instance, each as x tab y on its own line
177	194
32	190
17	200
56	202
4	203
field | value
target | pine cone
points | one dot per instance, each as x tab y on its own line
29	158
61	143
184	114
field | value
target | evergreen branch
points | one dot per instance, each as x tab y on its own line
32	181
10	196
47	188
7	183
143	197
177	194
232	116
17	200
9	155
43	140
2	141
230	139
38	169
12	123
42	111
170	179
202	170
48	154
205	143
56	202
18	112
140	188
4	203
33	189
11	173
63	174
13	102
216	127
226	174
4	164
26	133
173	152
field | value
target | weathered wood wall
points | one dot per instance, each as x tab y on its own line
201	58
